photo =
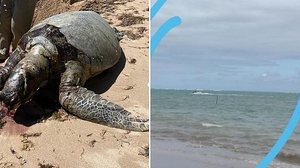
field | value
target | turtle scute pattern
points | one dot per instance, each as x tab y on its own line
90	106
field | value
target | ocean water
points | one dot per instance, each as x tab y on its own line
240	122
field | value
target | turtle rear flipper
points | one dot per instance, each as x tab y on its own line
118	34
90	106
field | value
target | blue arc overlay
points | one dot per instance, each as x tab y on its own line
156	7
282	139
176	21
163	29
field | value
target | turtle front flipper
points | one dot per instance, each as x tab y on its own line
12	61
92	107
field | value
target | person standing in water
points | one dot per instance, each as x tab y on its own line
15	20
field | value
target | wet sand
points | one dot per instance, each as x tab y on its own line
176	154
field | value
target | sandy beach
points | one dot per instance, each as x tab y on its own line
66	141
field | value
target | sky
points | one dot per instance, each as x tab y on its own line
229	45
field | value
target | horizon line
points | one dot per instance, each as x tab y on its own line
272	91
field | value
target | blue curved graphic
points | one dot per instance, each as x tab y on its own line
163	30
282	139
156	7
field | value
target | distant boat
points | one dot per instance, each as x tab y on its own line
200	92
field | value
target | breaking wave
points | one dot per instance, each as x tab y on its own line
211	125
202	93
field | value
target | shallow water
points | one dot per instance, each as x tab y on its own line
241	122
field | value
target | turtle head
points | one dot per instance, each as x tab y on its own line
12	94
24	81
27	76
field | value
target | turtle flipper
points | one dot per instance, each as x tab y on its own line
12	61
90	106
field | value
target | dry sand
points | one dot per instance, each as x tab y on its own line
71	142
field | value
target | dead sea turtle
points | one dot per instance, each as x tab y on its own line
72	47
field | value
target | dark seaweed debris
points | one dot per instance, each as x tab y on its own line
132	35
27	135
2	123
60	116
144	151
293	158
41	165
103	6
128	19
71	1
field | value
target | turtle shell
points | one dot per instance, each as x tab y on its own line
88	32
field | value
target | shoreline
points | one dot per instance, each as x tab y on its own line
175	154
